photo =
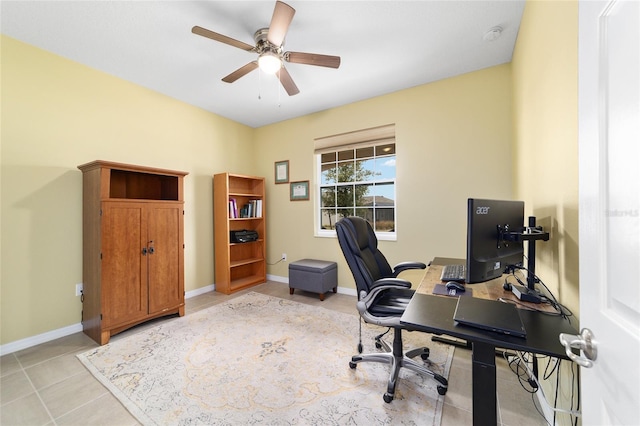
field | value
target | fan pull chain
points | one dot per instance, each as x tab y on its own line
278	88
259	84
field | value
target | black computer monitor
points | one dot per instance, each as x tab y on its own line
488	253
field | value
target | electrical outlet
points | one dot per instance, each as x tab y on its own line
284	256
79	289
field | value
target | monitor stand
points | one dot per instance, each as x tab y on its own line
531	234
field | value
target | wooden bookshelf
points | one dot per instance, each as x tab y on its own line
238	265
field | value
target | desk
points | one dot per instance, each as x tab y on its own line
434	314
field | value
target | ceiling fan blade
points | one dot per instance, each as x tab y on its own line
287	82
241	72
221	38
282	16
312	59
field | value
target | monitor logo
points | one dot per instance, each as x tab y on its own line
482	210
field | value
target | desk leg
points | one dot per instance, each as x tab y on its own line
484	384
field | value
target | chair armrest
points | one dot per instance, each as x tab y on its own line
366	299
404	266
388	283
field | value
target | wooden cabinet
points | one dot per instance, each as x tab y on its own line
239	265
133	246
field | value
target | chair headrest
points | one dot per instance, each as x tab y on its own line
362	232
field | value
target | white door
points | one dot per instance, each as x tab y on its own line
609	163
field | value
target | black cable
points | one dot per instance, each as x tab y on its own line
562	309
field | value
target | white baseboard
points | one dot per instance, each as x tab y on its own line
278	278
28	342
199	291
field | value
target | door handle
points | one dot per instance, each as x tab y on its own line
151	248
585	341
144	251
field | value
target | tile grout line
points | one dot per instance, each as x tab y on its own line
24	371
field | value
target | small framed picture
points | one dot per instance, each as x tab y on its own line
299	190
282	171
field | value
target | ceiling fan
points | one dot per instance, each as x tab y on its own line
269	47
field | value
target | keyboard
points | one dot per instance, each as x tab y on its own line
453	273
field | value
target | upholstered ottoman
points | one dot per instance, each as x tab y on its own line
316	276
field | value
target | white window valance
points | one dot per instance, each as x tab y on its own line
355	139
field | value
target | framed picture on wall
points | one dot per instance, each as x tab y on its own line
282	171
299	190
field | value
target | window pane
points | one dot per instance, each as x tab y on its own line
364	152
384	194
328	157
345	172
366	214
365	170
345	196
328	218
328	174
344	213
386	167
345	155
328	197
385	149
385	220
364	195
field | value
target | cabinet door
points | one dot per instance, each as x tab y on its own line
124	265
166	257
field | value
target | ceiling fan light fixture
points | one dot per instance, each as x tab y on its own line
269	62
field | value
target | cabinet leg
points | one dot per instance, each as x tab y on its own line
290	290
105	335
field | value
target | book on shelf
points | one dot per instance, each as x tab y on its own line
251	209
233	208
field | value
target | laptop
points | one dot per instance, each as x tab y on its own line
489	315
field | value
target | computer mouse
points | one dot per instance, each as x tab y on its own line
455	285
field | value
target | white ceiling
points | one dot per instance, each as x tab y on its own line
385	46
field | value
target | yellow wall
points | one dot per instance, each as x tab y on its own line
464	120
57	114
545	117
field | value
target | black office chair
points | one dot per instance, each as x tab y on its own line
382	299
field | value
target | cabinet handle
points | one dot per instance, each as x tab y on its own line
151	248
144	251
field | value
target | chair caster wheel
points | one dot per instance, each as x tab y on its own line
425	355
378	345
442	390
352	365
387	398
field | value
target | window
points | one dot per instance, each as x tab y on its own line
358	179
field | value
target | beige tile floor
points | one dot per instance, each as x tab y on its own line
47	385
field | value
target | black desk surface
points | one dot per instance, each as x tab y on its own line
434	314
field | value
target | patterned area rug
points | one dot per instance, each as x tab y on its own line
258	359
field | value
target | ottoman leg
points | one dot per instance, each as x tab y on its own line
290	290
321	297
335	289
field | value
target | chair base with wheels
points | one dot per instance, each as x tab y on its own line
397	359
